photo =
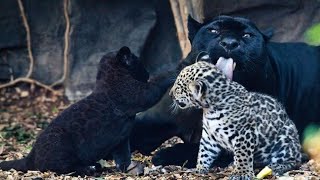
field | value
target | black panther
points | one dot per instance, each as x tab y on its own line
98	126
289	72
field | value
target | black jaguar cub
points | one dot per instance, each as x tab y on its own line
98	126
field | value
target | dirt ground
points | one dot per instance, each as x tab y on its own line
25	111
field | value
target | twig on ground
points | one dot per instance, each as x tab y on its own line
31	81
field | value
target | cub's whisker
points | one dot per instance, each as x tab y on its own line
174	108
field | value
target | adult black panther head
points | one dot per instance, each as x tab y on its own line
230	37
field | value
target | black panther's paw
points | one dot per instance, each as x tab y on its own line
183	154
88	171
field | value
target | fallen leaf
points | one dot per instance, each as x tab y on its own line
135	168
24	94
1	149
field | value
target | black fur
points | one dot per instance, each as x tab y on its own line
98	126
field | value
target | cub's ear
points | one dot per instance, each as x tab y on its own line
197	88
193	28
123	55
267	34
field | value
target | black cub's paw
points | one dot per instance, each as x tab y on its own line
123	166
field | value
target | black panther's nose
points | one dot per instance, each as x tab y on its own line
229	43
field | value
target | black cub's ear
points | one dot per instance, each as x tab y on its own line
124	55
267	34
193	28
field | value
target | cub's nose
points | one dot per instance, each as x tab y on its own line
229	43
181	104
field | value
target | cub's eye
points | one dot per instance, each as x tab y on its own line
178	90
246	35
213	30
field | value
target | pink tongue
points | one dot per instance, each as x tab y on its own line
226	66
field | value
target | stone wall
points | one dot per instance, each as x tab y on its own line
96	27
146	26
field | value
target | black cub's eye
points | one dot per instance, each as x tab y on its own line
213	30
246	35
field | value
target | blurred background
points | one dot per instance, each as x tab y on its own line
68	37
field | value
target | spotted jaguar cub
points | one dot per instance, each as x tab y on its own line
255	127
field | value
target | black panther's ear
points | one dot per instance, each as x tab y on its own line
123	55
198	88
267	34
193	28
202	56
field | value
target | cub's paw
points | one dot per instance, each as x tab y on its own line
201	170
241	177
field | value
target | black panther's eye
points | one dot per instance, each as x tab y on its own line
213	30
246	35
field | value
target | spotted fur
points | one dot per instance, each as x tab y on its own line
253	126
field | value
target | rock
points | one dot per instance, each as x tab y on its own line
289	19
147	27
12	40
101	27
97	27
47	26
162	50
12	33
5	72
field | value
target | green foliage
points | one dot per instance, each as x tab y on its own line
310	131
42	124
55	109
17	132
27	149
312	35
38	115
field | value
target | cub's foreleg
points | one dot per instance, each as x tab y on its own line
208	152
243	155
